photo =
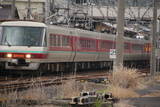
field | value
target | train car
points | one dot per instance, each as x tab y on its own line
27	45
23	45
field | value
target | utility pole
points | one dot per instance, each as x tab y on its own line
29	10
120	35
13	8
153	40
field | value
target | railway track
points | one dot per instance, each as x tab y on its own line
12	84
18	85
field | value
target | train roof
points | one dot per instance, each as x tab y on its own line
23	23
86	33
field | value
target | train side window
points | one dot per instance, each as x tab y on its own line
93	44
90	44
65	41
56	40
106	45
82	43
137	47
59	41
126	46
53	40
103	45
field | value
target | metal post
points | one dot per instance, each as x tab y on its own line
159	26
139	11
158	44
153	40
13	8
46	11
29	10
107	14
120	35
68	14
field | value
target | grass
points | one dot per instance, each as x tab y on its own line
14	98
120	93
124	82
34	94
40	93
157	78
70	89
98	103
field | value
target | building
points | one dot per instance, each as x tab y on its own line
37	8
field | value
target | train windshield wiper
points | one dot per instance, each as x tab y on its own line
6	41
29	45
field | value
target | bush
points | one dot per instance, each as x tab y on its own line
125	78
123	83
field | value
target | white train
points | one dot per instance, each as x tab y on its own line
27	45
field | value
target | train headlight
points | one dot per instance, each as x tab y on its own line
9	55
28	56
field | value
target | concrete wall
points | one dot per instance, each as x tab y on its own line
37	8
129	12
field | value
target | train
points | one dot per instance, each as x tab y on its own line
28	45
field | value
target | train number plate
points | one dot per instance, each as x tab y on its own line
18	56
112	54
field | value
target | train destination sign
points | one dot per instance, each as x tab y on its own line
112	54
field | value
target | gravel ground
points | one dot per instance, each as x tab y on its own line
150	97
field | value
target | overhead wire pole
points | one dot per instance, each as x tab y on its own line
120	35
153	40
29	10
47	8
159	25
13	7
68	13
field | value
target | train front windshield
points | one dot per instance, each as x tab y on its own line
22	36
